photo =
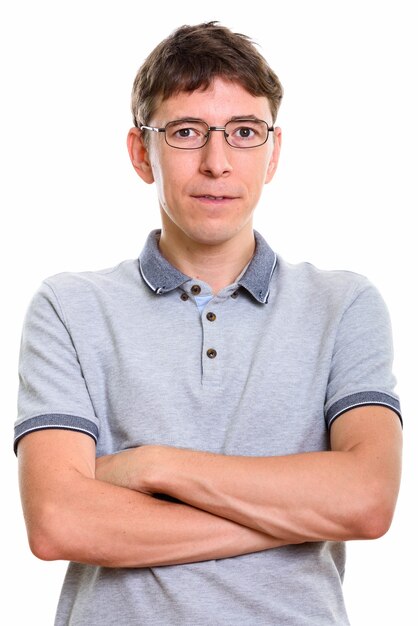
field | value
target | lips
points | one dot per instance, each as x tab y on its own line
207	196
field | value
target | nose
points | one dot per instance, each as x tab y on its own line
216	154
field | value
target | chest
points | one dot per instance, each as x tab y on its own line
240	378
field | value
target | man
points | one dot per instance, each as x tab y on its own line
241	409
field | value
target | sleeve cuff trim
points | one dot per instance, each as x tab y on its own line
364	398
55	420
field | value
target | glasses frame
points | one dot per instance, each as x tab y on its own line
157	129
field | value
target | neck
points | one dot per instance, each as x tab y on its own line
216	264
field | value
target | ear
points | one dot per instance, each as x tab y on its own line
139	155
274	159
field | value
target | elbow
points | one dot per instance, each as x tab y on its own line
45	540
374	517
41	547
376	524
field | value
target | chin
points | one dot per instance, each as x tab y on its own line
215	235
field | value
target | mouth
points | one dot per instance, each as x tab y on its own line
211	198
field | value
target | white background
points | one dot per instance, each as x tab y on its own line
344	197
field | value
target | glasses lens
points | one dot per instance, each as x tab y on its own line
246	133
186	134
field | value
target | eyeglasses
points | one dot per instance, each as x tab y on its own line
190	134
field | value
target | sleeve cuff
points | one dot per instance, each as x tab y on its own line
364	398
55	420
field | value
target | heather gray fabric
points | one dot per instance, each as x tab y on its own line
122	355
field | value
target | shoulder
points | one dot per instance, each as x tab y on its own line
80	295
334	287
79	285
116	274
326	296
306	274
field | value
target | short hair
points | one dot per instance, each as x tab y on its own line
191	58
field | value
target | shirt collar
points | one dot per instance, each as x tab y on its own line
161	276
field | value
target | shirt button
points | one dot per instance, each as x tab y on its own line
235	294
211	353
184	296
195	290
211	316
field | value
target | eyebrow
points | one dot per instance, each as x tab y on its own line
232	119
187	119
244	117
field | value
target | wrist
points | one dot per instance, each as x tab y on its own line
155	461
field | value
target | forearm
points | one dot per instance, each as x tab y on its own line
121	528
346	493
70	515
290	497
303	497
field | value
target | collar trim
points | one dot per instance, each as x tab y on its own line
157	272
161	277
257	277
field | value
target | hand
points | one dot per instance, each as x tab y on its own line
133	468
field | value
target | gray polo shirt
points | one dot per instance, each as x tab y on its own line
125	356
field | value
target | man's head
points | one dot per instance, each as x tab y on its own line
204	104
191	58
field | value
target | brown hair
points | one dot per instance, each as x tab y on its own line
191	57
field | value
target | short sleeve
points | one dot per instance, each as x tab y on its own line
361	368
52	389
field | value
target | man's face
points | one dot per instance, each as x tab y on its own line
208	195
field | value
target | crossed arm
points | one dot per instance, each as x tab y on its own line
103	512
72	515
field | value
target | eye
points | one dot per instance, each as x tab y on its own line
185	133
244	132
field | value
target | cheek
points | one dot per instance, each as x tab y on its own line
254	171
170	187
171	174
161	179
177	185
256	179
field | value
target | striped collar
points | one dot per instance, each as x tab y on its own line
162	277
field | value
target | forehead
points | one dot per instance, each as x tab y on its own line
217	104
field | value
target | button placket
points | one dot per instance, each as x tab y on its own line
212	348
211	353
